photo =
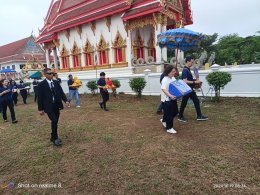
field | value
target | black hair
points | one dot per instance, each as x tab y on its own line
1	82
165	65
46	70
188	59
102	74
168	69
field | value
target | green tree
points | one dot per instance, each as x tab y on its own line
218	80
92	86
137	85
207	44
232	48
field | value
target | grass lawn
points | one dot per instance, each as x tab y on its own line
127	151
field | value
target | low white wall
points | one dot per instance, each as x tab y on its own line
245	81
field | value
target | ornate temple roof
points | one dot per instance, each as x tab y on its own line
65	14
21	50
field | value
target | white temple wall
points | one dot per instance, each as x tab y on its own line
245	81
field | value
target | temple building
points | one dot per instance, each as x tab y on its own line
83	35
22	55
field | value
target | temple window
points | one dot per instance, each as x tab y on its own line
119	46
138	46
64	58
76	56
103	49
151	47
88	51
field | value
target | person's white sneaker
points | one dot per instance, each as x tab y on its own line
163	123
78	106
171	131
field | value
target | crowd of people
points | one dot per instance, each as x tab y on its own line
49	96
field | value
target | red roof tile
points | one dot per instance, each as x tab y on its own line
65	4
13	48
18	51
86	9
90	17
142	10
65	14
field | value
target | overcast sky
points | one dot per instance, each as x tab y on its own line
19	17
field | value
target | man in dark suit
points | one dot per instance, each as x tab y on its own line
50	96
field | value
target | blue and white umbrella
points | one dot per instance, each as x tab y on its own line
179	38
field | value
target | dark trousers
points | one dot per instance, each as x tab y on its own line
105	98
54	117
24	95
195	100
15	95
170	109
35	96
160	107
10	105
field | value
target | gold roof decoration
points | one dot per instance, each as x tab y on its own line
64	51
151	42
33	64
119	41
138	42
129	2
88	48
102	45
75	49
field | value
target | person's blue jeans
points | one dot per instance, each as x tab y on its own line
74	93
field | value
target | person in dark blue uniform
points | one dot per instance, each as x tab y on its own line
23	91
101	83
188	78
14	87
35	89
6	100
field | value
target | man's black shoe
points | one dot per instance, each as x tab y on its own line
182	119
57	142
106	109
202	118
52	140
15	121
159	112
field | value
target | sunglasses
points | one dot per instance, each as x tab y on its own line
50	73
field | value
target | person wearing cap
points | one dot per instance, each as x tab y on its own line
101	84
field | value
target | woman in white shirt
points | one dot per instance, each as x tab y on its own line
169	101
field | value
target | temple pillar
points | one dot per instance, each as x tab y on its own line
164	50
55	57
83	59
60	59
157	31
110	51
129	49
47	55
71	64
